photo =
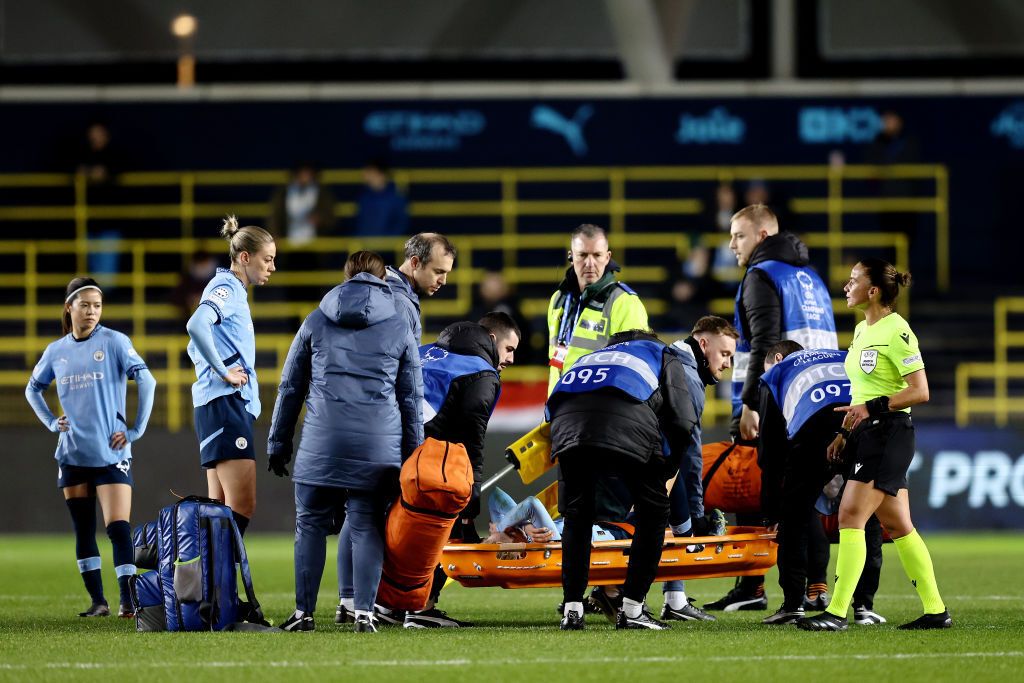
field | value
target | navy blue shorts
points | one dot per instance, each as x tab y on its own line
224	429
73	475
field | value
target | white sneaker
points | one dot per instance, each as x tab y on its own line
865	617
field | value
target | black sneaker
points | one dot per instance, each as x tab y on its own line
736	600
364	624
929	621
826	621
588	608
688	612
342	615
600	603
644	621
387	616
97	609
299	622
126	612
433	618
864	616
820	602
573	621
784	616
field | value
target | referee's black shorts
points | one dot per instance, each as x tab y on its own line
880	450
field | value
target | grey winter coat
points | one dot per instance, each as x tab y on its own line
355	364
406	300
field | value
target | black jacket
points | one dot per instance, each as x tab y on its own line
608	419
466	410
802	461
760	309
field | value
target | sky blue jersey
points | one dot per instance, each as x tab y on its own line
234	340
92	379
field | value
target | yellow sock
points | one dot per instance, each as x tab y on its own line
853	551
917	563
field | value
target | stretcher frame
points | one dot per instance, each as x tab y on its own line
743	551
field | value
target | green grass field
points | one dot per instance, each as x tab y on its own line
517	637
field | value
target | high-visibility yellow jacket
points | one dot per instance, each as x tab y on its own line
606	307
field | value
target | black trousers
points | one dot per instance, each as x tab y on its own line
581	469
803	548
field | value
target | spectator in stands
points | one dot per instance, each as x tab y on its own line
189	290
758	191
707	272
98	165
894	145
96	160
723	271
381	209
354	365
303	209
494	295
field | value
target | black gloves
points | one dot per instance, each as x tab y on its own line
276	464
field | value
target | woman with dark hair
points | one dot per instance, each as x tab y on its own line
222	346
355	365
91	365
876	442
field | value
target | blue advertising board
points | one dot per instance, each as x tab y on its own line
967	478
980	139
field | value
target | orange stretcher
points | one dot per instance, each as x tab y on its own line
744	551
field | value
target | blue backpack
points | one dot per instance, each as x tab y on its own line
194	586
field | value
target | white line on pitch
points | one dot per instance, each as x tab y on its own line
510	662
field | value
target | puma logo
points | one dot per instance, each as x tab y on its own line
856	468
905	336
546	118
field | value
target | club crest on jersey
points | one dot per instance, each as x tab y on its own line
98	356
221	292
435	353
868	360
241	443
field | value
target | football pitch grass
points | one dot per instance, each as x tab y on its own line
516	638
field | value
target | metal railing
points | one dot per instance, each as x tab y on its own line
620	198
998	404
174	372
645	253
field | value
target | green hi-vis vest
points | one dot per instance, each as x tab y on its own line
614	308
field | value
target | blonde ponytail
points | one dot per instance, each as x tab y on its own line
230	228
250	238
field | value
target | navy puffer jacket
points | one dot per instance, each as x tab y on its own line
355	364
